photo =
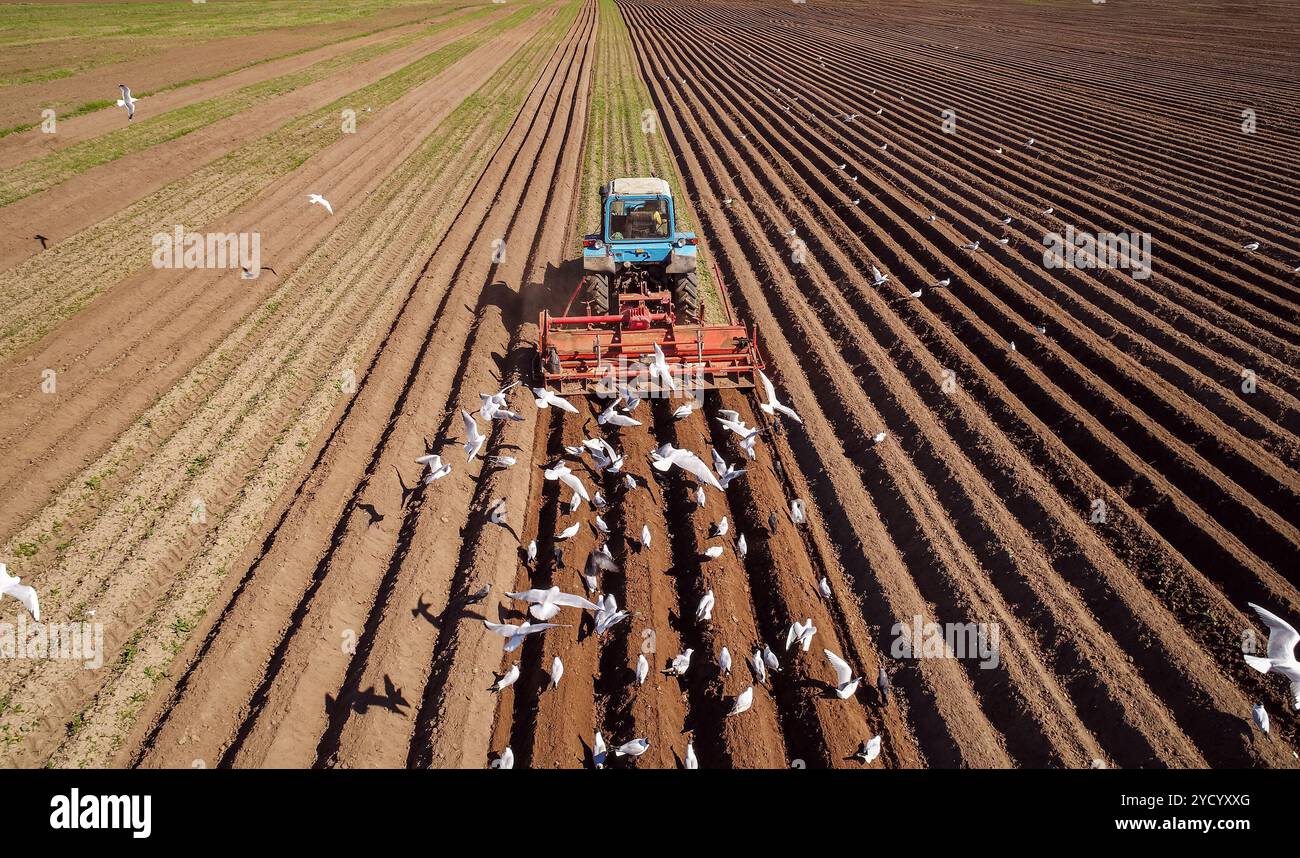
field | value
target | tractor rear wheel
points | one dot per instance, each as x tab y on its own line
598	295
686	296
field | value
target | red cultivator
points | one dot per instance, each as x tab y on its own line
604	354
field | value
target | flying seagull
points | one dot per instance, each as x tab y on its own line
666	456
515	635
474	441
1282	638
846	682
773	405
10	586
547	603
546	398
126	101
318	200
437	469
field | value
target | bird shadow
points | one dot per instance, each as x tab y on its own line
361	702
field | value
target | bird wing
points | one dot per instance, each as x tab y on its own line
569	600
572	481
471	427
528	629
695	466
843	673
534	595
1282	636
768	390
27	596
504	629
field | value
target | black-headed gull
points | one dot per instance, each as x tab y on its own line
704	611
547	603
1282	638
1260	717
869	751
437	469
773	405
664	458
318	200
474	440
691	762
845	682
642	669
565	475
680	663
515	635
557	671
546	398
634	748
724	661
509	678
126	101
742	702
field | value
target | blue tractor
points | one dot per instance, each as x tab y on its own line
639	249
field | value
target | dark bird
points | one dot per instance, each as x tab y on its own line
478	595
42	239
883	686
247	273
771	521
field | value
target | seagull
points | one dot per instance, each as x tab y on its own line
609	615
506	760
684	410
679	665
719	529
10	586
869	750
796	511
713	552
1282	638
801	632
883	685
598	751
660	371
1003	240
1006	221
642	669
610	416
691	762
126	101
1049	210
630	482
546	398
770	659
1042	329
773	405
557	671
474	441
565	475
930	219
724	661
437	470
879	437
1029	142
1251	246
700	498
704	612
974	245
515	635
742	548
916	294
760	672
532	551
601	525
501	461
497	514
634	748
877	278
507	679
944	282
846	682
743	702
645	536
666	456
547	603
1260	716
318	200
569	532
824	587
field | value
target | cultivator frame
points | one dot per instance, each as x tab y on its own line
587	354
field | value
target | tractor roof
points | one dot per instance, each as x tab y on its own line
640	187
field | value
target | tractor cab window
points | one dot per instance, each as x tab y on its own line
631	220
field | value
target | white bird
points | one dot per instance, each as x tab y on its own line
547	397
318	200
498	511
713	552
660	372
824	587
634	748
801	632
930	219
760	672
773	405
1006	221
691	762
569	532
684	410
437	470
1049	210
724	661
704	611
507	679
565	475
1029	142
126	101
944	282
629	482
1282	638
719	529
770	659
557	671
797	511
598	500
1250	245
506	760
598	751
879	437
532	551
742	548
645	536
1003	240
666	456
601	525
642	669
474	441
680	663
743	702
515	635
974	245
611	417
916	294
547	603
609	614
869	750
1260	716
878	278
10	586
846	682
502	461
700	498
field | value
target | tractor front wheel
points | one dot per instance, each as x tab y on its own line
598	295
686	296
